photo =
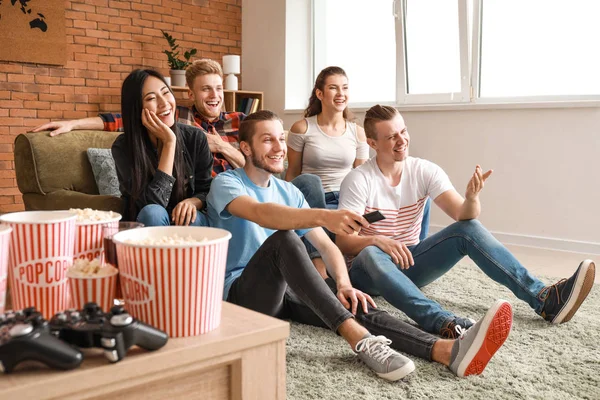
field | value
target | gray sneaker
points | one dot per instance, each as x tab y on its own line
476	346
375	351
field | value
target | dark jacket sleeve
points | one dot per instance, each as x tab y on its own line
158	191
202	168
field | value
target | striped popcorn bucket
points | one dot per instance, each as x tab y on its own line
89	238
98	289
5	231
177	288
41	252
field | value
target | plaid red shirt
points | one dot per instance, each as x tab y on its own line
227	126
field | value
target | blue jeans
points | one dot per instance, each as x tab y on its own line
332	200
155	215
374	272
425	222
312	189
331	203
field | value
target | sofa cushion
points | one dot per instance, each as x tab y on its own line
105	172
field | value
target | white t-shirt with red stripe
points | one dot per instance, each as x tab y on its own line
365	190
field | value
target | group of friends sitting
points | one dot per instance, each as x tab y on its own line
301	248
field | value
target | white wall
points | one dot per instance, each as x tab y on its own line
545	190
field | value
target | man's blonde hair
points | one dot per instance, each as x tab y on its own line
377	114
201	67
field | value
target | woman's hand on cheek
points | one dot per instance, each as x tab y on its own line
156	127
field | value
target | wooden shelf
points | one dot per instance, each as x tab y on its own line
231	98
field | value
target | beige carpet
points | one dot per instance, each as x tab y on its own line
538	360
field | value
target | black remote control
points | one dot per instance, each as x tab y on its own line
373	217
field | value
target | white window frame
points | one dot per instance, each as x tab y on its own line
402	95
476	75
470	68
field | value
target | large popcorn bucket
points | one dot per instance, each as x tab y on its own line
5	231
99	289
41	252
177	288
89	239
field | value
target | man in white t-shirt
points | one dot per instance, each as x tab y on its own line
269	270
388	259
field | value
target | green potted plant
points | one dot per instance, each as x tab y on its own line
176	64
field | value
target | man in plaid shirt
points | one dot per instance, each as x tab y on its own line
205	80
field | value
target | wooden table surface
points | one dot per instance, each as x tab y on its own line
240	330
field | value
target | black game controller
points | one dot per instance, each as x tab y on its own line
115	332
24	336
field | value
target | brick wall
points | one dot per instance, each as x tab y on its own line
106	39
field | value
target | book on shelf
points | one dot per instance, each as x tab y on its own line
241	105
254	107
248	105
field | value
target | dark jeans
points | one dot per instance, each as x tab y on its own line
281	281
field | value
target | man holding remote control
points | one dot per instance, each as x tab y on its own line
388	258
269	269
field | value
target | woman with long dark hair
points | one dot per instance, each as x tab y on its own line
326	142
164	168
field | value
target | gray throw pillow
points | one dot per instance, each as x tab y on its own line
105	172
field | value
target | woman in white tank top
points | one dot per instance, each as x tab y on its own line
326	143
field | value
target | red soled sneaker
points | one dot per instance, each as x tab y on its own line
475	347
562	300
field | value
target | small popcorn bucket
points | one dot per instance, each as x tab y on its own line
98	289
89	243
5	231
41	252
177	288
110	250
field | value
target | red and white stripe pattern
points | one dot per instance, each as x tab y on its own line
40	255
99	289
403	224
177	290
5	231
89	240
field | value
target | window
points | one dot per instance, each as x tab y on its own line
539	48
432	47
460	51
435	52
359	36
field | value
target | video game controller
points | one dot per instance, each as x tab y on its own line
24	335
115	332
